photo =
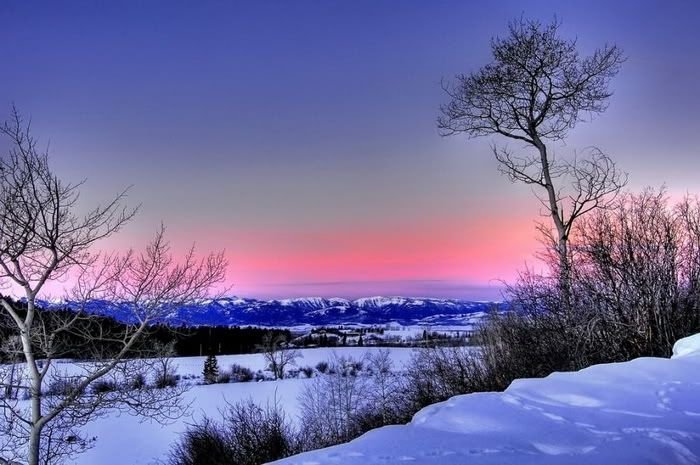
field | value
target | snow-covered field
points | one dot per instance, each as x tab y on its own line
646	411
125	440
309	357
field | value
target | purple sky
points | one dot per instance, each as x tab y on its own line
300	136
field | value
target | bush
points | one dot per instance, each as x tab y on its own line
633	291
438	373
166	381
247	434
332	407
205	443
102	386
241	374
166	376
62	386
224	378
308	371
322	367
138	382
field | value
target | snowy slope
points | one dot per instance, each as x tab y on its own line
646	411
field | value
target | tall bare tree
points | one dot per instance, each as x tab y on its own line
43	238
535	90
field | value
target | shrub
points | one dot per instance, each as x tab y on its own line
204	443
224	378
166	381
166	376
247	434
308	371
138	381
241	374
438	373
332	406
62	386
322	367
102	386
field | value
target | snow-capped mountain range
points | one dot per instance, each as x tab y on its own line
316	311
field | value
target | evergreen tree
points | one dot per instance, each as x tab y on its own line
211	369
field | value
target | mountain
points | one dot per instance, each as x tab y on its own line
315	311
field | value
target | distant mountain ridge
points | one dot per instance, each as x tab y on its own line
315	311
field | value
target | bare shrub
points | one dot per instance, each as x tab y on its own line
247	434
322	367
138	381
438	373
103	386
384	394
166	374
332	406
634	291
241	374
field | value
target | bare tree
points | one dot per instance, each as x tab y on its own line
277	354
44	239
534	91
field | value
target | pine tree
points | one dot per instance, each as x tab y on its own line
211	369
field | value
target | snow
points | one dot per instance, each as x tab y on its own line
646	411
687	346
124	439
309	357
379	301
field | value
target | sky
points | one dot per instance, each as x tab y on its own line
300	137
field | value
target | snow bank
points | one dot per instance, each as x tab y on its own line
687	346
646	411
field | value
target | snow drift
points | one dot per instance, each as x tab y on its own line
646	411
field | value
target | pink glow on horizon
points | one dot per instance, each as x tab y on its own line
436	257
357	260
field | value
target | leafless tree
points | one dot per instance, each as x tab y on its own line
43	239
534	91
277	354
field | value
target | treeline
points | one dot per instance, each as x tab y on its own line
216	340
94	336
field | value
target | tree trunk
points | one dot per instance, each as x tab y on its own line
562	235
33	455
34	445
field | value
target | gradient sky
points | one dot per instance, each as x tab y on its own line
300	136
